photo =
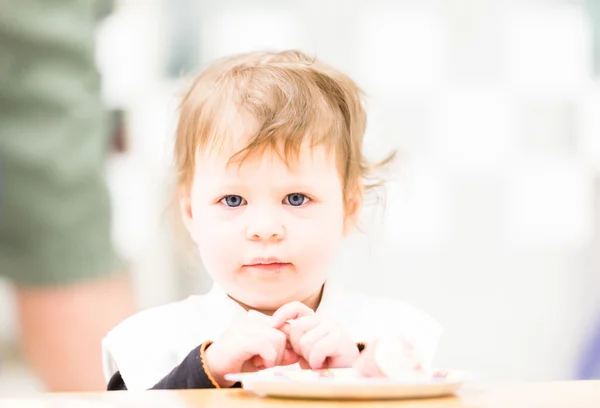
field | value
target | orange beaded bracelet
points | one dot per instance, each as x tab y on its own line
204	366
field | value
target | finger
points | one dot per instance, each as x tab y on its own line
279	340
285	356
297	329
286	332
256	364
306	323
257	346
303	363
310	339
289	357
286	328
290	311
323	349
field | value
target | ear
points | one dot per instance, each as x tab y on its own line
354	205
185	206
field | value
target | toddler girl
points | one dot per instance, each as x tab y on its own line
271	179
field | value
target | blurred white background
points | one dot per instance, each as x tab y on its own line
492	222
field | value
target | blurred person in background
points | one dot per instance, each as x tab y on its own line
55	241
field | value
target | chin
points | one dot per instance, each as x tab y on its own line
272	304
265	300
268	297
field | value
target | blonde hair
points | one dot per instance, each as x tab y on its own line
293	98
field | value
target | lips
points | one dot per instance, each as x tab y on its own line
269	267
267	264
265	261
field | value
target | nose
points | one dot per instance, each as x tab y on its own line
265	225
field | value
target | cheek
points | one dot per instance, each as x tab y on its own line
317	240
215	239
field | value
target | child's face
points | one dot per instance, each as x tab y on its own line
268	233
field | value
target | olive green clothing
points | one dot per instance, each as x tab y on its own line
54	139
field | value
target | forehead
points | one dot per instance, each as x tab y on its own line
311	165
219	162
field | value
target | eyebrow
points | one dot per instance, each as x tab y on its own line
241	187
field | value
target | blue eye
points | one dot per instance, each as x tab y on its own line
233	201
296	199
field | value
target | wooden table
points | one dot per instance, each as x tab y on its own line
576	394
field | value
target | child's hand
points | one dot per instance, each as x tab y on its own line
250	345
322	344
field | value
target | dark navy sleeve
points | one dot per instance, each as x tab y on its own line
187	375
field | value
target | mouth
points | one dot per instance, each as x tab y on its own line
267	264
268	267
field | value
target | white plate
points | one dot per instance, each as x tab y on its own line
345	384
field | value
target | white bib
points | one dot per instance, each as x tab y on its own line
147	346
